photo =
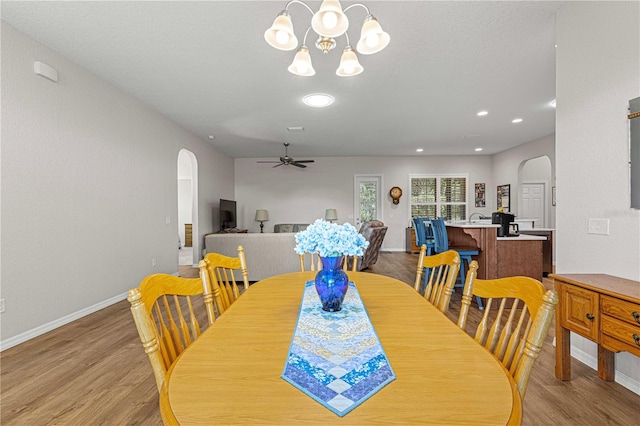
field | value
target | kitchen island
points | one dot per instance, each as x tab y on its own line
498	256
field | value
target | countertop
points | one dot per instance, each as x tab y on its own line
523	237
472	224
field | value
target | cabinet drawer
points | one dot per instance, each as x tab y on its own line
579	311
625	333
620	309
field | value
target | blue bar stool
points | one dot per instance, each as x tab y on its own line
441	244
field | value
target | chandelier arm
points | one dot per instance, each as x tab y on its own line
347	36
300	2
304	40
356	4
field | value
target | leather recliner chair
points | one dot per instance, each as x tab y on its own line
374	232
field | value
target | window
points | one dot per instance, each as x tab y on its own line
439	196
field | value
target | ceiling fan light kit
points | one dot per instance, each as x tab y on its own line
329	22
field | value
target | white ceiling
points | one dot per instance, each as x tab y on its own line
206	65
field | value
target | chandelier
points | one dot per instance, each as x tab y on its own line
329	22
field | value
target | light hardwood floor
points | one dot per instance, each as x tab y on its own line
94	371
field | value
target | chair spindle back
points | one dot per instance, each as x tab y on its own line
442	271
515	321
217	273
165	318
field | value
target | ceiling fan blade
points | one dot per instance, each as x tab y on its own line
297	164
278	165
305	161
267	161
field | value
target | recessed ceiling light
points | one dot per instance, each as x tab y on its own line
318	100
517	120
211	137
478	149
552	104
419	150
482	113
296	128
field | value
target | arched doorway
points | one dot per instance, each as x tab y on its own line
188	253
535	177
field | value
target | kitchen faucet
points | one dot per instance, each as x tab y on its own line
476	213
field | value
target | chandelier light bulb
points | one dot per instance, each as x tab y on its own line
282	37
372	40
329	20
301	64
349	65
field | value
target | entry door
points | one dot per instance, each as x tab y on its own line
533	205
368	199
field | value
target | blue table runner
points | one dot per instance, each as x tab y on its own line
336	357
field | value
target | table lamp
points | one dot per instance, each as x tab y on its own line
331	215
262	216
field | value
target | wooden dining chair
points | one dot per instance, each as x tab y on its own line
217	273
311	259
442	274
349	263
517	315
441	244
165	318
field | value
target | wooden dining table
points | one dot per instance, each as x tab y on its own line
232	373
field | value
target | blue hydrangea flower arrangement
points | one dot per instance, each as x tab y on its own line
330	240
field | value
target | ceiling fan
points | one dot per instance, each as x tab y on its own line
286	160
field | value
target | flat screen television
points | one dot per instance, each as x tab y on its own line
228	214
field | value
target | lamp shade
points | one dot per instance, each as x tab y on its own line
280	35
372	38
301	64
330	20
262	216
349	65
330	214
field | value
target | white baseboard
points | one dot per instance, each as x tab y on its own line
591	361
45	328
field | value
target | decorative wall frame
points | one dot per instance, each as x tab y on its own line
504	197
480	195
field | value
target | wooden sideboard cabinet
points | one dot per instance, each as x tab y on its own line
411	241
602	308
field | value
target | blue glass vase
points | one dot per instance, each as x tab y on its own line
332	283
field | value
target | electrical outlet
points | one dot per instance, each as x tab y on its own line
1	306
598	226
167	220
154	262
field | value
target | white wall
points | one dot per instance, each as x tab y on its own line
508	165
598	72
89	175
293	195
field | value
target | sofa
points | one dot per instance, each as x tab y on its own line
267	254
290	227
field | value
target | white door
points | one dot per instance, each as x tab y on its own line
533	205
368	198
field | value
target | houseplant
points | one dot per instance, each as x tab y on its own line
331	241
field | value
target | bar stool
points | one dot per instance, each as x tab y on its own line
441	244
